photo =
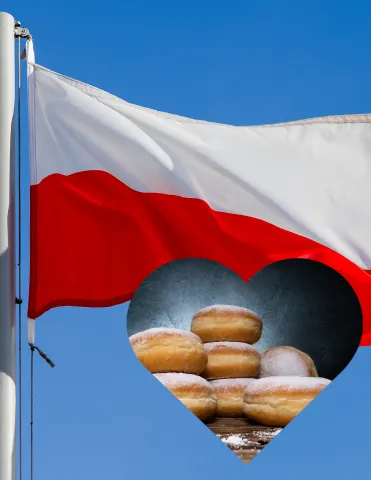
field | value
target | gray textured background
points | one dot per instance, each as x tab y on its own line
303	303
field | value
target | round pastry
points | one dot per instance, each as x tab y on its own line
194	392
284	361
231	360
169	350
219	323
230	396
275	401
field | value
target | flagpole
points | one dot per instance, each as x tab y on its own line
7	244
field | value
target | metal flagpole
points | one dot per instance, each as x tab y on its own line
7	244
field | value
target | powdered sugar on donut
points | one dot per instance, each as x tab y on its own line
173	380
237	346
287	383
225	384
283	361
146	335
226	309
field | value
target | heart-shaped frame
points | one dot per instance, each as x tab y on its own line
303	303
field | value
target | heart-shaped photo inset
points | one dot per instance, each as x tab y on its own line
245	358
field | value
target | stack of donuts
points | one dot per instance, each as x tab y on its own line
215	369
177	358
287	383
228	334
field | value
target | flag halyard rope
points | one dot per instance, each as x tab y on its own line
18	34
19	263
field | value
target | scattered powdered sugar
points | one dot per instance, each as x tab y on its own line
226	309
143	337
226	384
238	346
269	384
173	380
235	440
267	434
283	361
254	440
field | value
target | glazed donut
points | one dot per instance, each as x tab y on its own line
230	395
169	350
231	360
219	323
275	401
194	392
286	361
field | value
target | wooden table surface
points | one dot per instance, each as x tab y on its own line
245	439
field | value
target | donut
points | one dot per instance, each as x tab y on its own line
231	360
275	401
219	323
230	395
169	350
194	392
286	361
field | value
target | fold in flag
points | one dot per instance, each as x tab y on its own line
119	190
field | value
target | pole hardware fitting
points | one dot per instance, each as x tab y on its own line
18	301
43	355
21	32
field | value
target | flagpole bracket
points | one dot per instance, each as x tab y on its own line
43	355
21	32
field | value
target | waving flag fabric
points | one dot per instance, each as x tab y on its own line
119	190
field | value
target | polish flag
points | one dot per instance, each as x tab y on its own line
120	190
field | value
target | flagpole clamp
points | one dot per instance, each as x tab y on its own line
21	32
43	355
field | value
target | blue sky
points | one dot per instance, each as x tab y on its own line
239	62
